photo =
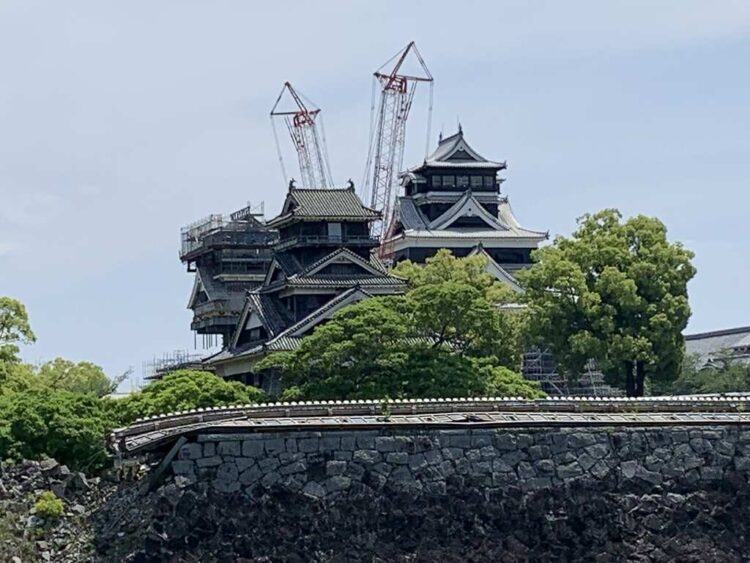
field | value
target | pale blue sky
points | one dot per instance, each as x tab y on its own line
122	121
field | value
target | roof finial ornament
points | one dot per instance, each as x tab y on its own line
291	184
460	129
350	185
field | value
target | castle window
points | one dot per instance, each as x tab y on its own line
437	181
476	181
334	231
449	181
462	181
489	181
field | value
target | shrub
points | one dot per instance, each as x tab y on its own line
63	425
183	390
48	506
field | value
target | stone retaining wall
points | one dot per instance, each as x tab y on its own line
329	464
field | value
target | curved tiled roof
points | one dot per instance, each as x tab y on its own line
345	281
150	432
323	204
410	215
455	152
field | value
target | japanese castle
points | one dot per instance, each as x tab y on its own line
261	286
452	200
323	261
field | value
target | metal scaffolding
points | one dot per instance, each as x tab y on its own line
539	365
171	361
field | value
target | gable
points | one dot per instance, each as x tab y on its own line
247	311
461	155
252	331
343	268
467	207
275	273
198	295
459	151
323	314
252	318
253	321
290	204
343	260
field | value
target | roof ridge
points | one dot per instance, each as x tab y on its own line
721	332
345	189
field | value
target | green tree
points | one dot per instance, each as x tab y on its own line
14	329
67	426
81	377
183	390
372	349
723	375
454	301
615	292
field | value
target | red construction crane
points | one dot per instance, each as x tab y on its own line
388	131
300	117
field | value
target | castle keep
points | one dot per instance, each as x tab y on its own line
452	200
323	261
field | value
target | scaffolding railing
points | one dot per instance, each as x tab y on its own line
171	361
210	230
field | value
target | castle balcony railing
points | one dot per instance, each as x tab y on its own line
216	313
317	240
215	307
224	238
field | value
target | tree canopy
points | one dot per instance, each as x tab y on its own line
61	409
184	390
456	302
14	329
444	338
71	427
616	291
77	377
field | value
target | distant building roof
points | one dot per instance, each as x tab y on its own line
732	344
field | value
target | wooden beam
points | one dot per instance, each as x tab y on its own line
155	477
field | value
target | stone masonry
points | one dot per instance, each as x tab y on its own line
329	464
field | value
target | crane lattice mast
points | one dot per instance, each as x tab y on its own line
388	132
301	119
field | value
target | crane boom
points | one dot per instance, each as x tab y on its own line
301	119
388	132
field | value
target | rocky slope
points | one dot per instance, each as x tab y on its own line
467	524
25	536
105	521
